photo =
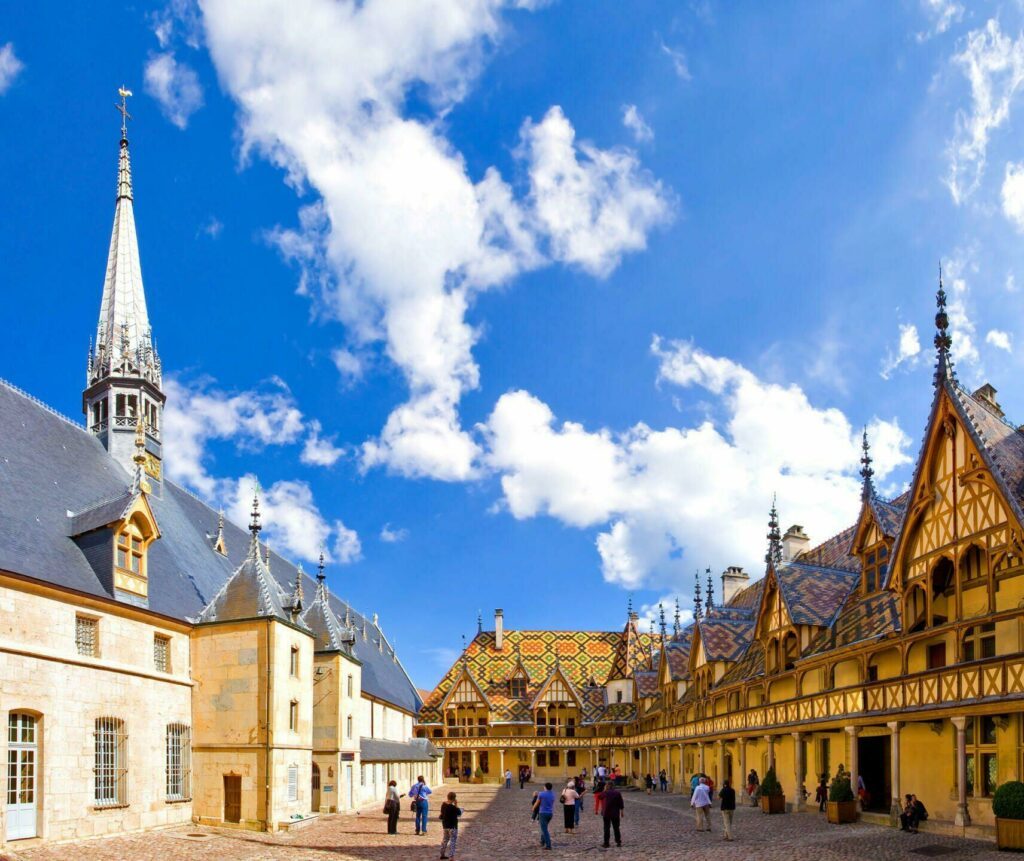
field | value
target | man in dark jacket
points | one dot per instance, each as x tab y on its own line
613	807
727	795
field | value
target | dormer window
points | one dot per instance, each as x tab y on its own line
517	688
876	564
130	550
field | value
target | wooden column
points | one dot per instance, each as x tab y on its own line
770	741
896	808
798	770
963	815
853	732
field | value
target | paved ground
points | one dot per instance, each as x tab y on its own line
497	826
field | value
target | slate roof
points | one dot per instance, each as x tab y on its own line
50	466
814	594
382	750
750	666
889	515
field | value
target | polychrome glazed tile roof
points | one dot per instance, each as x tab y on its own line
834	553
813	594
860	619
646	683
750	666
725	639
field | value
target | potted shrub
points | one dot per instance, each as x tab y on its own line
478	775
842	805
770	794
1008	807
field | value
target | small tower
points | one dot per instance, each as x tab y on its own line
123	372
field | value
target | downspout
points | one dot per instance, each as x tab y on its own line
266	752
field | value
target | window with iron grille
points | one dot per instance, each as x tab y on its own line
111	762
85	636
179	762
162	653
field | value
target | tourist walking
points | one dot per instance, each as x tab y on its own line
450	813
544	807
420	805
392	806
649	783
612	808
727	804
663	780
508	779
700	801
568	799
581	788
821	793
599	790
753	782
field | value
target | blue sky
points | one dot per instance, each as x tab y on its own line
530	305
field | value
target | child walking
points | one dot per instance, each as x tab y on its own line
450	813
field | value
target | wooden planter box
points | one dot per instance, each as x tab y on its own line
477	780
773	803
1010	833
841	811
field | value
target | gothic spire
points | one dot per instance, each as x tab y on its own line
676	628
866	472
254	524
320	568
943	341
661	615
774	554
479	622
696	597
709	603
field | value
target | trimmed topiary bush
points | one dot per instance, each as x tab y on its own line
770	785
1008	802
840	790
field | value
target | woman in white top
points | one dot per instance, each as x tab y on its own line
568	799
392	806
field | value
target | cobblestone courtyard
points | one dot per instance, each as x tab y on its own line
497	825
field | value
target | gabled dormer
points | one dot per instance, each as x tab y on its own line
517	681
876	529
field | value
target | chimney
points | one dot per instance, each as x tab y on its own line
499	628
987	395
794	542
734	579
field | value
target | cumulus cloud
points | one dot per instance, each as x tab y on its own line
390	535
1013	195
10	67
907	351
348	363
633	121
941	14
175	85
318	450
402	238
661	496
993	64
999	339
347	547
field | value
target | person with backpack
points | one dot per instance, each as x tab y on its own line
568	799
420	805
450	813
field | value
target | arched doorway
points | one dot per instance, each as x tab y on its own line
22	776
315	786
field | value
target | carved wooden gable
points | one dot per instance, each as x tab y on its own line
556	691
465	693
773	615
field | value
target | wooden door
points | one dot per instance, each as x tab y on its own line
232	798
315	787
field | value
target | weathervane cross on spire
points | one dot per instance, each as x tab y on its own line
124	93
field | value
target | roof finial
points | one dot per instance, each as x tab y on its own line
866	472
124	93
676	628
479	622
661	614
320	566
943	341
254	523
297	594
709	604
629	608
465	655
696	596
774	554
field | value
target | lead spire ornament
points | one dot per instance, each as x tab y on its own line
696	597
943	340
866	472
774	555
709	601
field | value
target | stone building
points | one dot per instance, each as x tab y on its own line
153	670
895	648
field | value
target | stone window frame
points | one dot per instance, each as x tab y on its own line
110	763
178	762
87	635
162	653
293	716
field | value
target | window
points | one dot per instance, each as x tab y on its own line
980	642
350	685
110	767
293	716
517	688
179	762
348	727
982	761
618	696
293	666
293	783
876	562
85	636
570	758
162	653
936	656
362	775
542	758
130	550
553	758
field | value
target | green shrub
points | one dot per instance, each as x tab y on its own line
770	785
479	772
1008	802
840	789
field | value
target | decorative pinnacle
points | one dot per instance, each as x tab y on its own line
139	457
866	472
696	596
710	602
297	597
943	341
320	567
774	554
479	622
254	523
661	615
676	629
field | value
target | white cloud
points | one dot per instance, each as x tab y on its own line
212	227
942	15
175	86
650	614
679	63
403	238
907	351
348	363
633	121
593	209
197	414
292	523
178	18
1013	195
317	450
662	496
993	63
999	339
393	536
10	67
